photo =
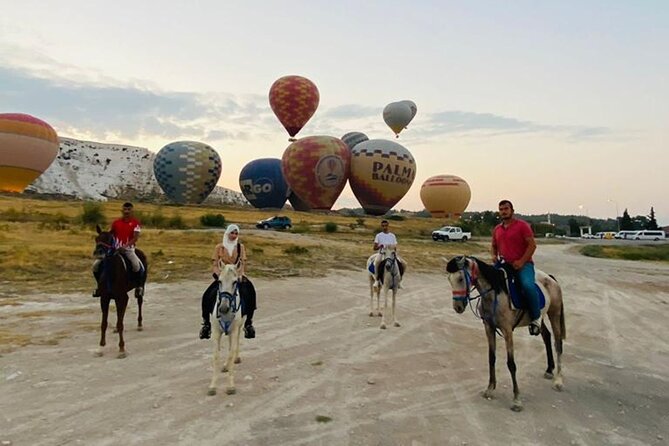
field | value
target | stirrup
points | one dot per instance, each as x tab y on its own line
205	331
139	292
249	332
535	327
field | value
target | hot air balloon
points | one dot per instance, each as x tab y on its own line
445	196
262	183
316	169
187	171
294	100
351	139
381	174
297	203
28	146
412	106
397	116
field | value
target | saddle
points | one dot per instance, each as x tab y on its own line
515	290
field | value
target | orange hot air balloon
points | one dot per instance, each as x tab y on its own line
293	99
316	169
445	196
382	172
28	146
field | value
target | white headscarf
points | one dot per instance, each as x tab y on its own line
230	245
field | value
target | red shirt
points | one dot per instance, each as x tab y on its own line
124	231
511	241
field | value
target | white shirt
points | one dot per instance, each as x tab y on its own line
385	239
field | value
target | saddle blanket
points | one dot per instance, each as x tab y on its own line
518	301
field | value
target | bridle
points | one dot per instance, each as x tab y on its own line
390	265
471	283
227	306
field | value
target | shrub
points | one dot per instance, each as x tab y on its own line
175	222
57	222
396	217
213	220
301	229
92	213
360	222
296	250
331	227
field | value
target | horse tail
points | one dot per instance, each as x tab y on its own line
563	328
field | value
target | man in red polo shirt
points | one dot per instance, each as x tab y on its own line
513	242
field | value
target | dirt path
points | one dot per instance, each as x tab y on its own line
318	353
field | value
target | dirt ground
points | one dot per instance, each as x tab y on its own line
318	353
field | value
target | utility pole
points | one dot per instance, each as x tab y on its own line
617	219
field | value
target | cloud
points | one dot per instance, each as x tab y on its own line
352	111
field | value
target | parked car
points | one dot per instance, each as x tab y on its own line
276	222
649	235
450	233
622	235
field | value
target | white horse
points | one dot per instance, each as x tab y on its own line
226	316
390	277
372	289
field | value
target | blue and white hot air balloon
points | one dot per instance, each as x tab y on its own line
262	183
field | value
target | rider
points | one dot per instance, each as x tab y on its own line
383	239
126	232
230	252
513	241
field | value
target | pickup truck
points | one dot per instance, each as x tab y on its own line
448	233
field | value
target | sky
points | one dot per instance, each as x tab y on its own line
560	106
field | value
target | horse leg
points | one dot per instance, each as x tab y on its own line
511	364
238	360
385	306
120	313
216	360
556	325
371	296
233	341
546	335
395	323
140	301
104	305
492	345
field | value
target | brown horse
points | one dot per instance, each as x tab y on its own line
114	282
494	307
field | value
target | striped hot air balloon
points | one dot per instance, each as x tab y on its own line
187	171
445	196
28	146
294	100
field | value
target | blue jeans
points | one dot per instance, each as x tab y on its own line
526	277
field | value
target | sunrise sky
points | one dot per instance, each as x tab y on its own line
561	106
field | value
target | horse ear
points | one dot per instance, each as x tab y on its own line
98	228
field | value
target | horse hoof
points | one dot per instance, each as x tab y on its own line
140	328
371	314
115	330
558	387
383	326
224	369
379	314
122	355
238	360
230	390
548	375
98	353
488	395
397	324
517	407
211	391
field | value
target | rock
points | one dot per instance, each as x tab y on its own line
230	405
371	381
156	405
248	378
6	443
660	437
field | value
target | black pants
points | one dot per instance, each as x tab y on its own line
247	296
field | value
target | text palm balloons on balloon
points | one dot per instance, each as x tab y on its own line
187	171
28	146
398	115
316	169
445	196
352	139
382	172
294	100
262	183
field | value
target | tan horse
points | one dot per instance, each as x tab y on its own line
227	314
494	307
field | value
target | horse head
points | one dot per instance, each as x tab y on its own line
104	243
228	280
390	253
462	275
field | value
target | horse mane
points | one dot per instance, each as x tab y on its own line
452	265
492	275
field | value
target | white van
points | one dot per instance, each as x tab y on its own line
649	235
624	235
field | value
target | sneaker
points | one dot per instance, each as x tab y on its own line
249	332
96	293
535	327
205	331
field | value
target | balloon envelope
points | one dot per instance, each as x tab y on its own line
262	183
381	174
187	171
445	196
297	203
397	115
28	146
294	100
316	169
352	139
412	107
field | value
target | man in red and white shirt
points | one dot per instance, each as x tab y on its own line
513	241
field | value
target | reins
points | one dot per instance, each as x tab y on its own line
471	283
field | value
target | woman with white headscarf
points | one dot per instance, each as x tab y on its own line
229	252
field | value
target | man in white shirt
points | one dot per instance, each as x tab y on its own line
385	238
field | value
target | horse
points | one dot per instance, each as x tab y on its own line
372	289
390	278
226	317
114	283
494	308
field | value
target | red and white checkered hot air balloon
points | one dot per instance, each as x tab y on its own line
294	100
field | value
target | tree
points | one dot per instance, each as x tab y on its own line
626	223
652	223
574	227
